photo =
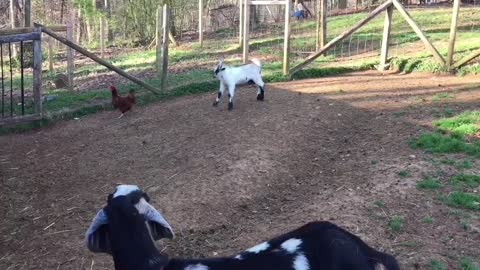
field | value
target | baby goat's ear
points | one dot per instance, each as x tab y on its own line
220	61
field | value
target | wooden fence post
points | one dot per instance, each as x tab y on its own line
387	28
37	72
240	26
158	39
322	24
70	57
200	22
453	33
246	30
166	41
286	45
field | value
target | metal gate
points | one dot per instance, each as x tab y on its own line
20	76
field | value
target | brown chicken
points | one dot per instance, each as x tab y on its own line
124	104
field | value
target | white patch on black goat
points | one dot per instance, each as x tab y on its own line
239	257
230	77
259	248
123	190
301	262
291	245
197	266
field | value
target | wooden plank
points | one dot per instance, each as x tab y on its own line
158	40
453	33
341	37
200	22
241	17
166	30
97	59
37	73
418	31
467	59
268	2
20	37
246	31
286	39
387	28
70	58
24	30
19	119
50	54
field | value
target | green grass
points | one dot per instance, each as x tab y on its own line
464	200
440	143
404	173
467	123
470	180
437	265
396	224
379	203
429	183
442	96
428	220
468	264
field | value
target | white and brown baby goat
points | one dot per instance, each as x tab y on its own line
230	77
128	227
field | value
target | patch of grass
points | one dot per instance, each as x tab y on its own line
404	173
441	143
396	224
464	200
429	183
467	123
471	180
379	203
465	164
438	265
442	96
468	264
428	220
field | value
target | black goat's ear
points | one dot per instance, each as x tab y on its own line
98	237
159	227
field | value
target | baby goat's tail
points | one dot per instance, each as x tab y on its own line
257	62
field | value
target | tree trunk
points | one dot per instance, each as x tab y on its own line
28	13
79	26
13	24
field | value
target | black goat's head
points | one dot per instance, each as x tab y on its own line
128	211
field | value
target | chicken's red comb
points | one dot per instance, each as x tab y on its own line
112	88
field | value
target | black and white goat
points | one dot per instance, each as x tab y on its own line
230	77
128	227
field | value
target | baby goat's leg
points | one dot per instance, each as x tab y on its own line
220	93
261	88
231	93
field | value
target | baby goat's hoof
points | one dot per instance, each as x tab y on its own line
215	104
260	96
230	106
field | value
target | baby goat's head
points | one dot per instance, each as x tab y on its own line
219	67
127	228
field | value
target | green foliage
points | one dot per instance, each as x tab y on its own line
441	143
438	265
396	224
428	220
471	180
464	200
429	183
468	264
467	123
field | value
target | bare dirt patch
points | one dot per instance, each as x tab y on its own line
327	149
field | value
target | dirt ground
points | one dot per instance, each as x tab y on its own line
320	149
